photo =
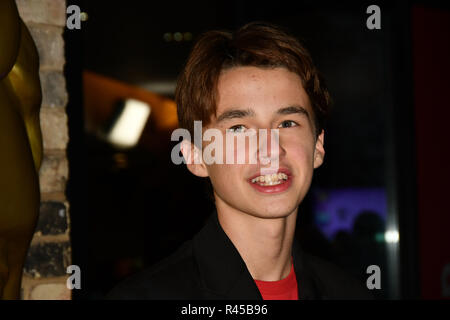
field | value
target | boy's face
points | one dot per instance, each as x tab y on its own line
256	98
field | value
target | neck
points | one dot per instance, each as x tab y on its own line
264	244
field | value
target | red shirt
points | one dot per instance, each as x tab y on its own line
284	289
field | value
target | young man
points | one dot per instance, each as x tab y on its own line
257	82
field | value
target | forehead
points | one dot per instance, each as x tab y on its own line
261	89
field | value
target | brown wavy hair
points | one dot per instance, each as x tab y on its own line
255	44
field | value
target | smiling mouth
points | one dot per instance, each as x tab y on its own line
270	179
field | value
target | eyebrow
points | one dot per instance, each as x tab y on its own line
235	113
238	113
293	110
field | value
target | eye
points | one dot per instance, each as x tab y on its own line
237	128
288	124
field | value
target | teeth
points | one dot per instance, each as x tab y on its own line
270	179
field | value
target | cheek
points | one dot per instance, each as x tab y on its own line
300	152
222	175
240	150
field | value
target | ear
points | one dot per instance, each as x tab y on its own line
194	159
319	152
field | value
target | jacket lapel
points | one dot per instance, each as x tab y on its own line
308	287
223	273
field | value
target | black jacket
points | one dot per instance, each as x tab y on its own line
210	267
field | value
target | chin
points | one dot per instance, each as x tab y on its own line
274	211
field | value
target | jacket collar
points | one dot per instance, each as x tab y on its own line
307	283
223	272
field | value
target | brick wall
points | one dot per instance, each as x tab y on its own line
49	255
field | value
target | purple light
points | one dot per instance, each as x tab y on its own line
337	209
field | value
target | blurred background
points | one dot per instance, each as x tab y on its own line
378	199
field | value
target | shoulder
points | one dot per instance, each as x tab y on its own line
334	282
174	277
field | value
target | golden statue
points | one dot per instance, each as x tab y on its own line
20	146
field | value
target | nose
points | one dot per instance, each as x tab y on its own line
269	148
